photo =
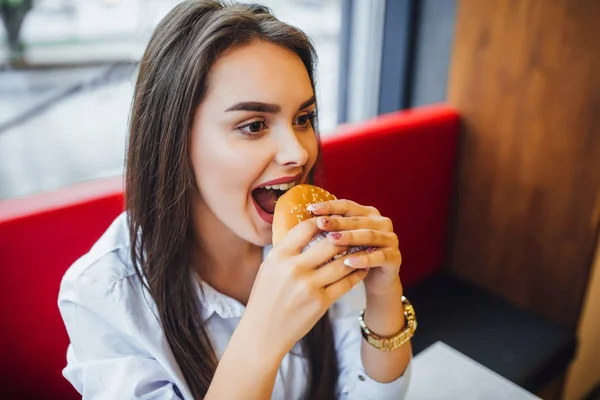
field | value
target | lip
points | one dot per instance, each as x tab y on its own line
265	216
278	181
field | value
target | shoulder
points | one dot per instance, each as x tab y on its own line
104	265
102	288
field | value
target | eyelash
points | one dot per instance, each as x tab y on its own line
310	121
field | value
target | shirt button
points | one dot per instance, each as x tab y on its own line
361	378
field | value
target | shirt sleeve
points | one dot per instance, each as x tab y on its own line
354	383
104	360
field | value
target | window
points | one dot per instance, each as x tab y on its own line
64	104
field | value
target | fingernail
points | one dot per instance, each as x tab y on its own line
314	207
335	235
352	261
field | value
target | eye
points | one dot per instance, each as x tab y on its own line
253	128
306	120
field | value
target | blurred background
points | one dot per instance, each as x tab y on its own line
522	75
68	67
66	85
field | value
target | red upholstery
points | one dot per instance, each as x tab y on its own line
401	163
40	236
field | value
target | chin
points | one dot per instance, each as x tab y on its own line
253	233
257	231
262	242
258	239
263	237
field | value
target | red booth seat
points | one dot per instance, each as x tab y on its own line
401	163
40	237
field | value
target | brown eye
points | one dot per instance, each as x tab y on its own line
255	126
305	120
253	129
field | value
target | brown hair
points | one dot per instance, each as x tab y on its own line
160	182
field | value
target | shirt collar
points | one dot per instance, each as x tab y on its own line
214	302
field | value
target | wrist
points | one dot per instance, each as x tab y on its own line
252	362
256	339
384	314
394	290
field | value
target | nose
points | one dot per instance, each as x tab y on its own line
291	151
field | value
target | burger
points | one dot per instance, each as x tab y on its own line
291	209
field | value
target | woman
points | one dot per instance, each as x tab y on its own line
183	297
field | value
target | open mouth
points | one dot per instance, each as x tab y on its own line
266	196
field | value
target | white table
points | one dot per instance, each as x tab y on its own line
441	372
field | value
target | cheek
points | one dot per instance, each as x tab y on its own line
311	144
221	166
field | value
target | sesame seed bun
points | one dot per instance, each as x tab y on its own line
290	208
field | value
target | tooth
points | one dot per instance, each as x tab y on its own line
283	186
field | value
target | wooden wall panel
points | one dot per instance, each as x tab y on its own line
525	75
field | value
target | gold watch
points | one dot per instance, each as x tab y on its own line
397	340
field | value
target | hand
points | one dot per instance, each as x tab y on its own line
293	289
352	224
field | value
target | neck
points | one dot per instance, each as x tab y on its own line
225	261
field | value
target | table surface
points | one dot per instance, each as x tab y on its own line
441	372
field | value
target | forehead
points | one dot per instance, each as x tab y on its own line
259	71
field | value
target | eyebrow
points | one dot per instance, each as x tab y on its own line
257	106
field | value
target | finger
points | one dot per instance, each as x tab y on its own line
344	285
364	237
332	272
298	237
336	269
347	208
332	223
322	250
377	258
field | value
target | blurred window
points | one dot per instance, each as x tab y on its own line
66	87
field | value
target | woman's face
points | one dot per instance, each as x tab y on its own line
253	127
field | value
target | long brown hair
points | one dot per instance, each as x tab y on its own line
160	182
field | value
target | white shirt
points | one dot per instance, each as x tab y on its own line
118	349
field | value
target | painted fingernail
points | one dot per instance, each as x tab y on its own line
314	207
335	235
352	261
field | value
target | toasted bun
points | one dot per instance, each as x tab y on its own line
290	208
